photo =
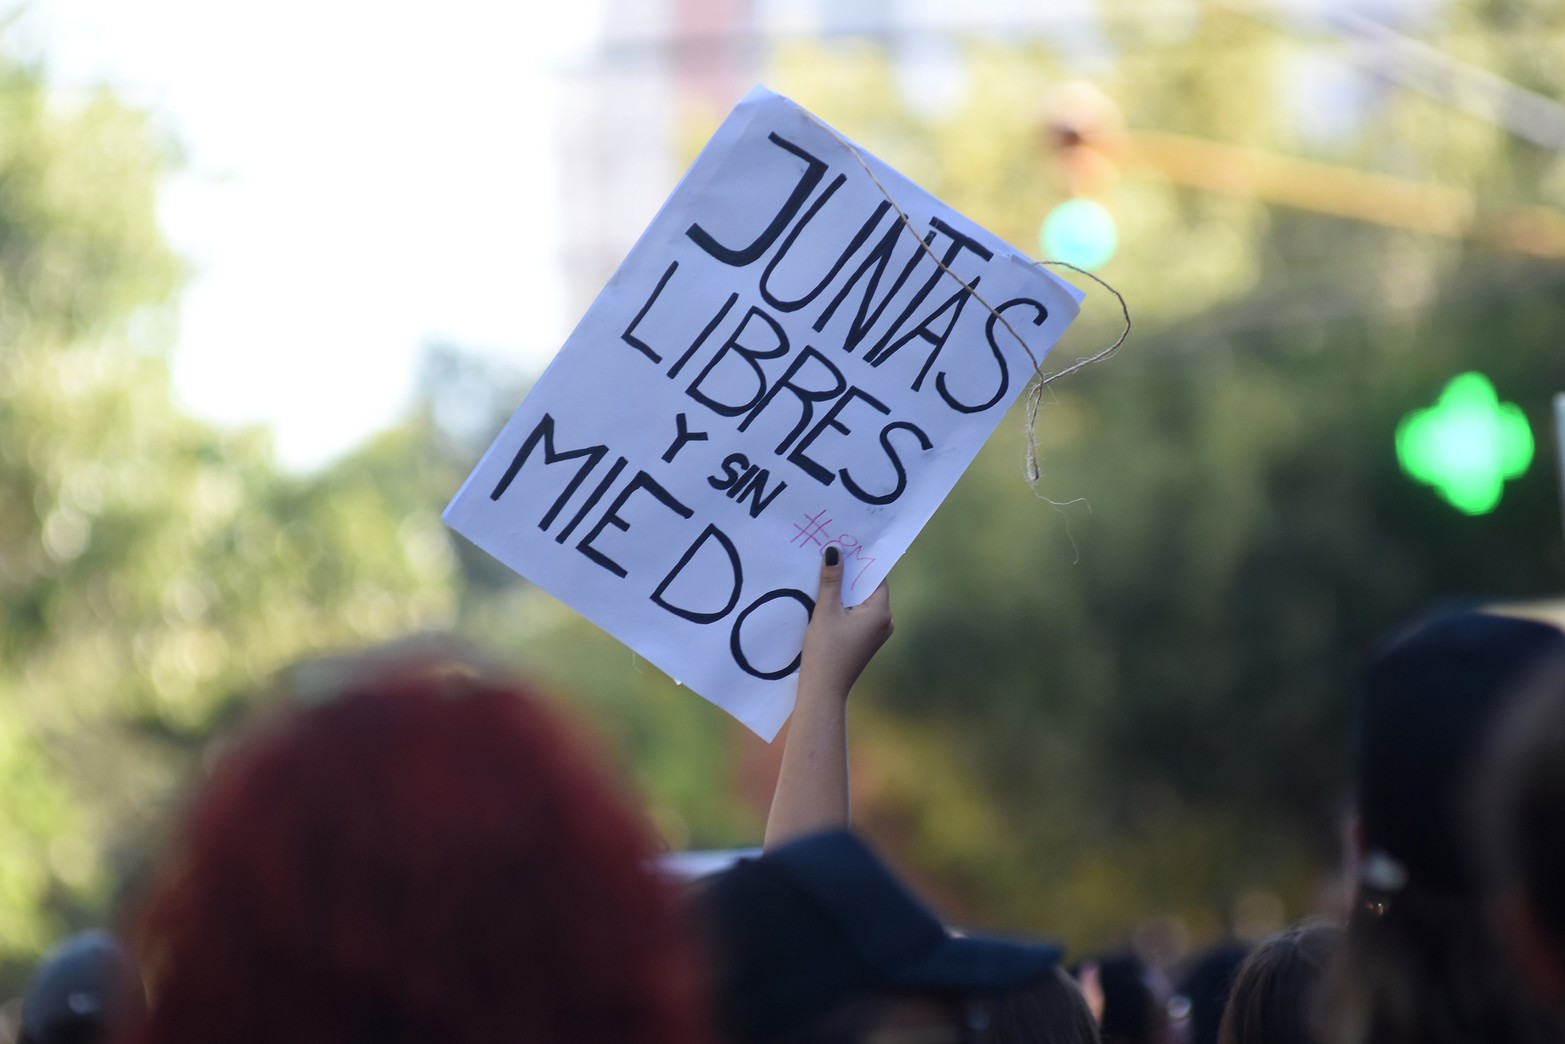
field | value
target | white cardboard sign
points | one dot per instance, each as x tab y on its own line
777	366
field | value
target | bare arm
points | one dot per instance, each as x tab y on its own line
812	786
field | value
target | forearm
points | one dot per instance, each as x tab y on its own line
812	784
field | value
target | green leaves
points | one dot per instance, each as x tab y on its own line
153	569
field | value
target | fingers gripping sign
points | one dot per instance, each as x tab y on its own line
840	642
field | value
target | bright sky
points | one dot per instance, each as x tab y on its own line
362	178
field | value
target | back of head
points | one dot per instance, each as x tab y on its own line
428	855
1431	701
1521	818
1133	1011
1419	965
1206	986
84	991
1048	1010
1276	994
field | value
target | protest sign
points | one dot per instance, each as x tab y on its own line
782	363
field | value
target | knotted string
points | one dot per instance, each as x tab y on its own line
1039	378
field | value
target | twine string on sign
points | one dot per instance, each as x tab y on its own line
1039	377
1035	393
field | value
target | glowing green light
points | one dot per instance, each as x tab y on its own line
1080	232
1467	444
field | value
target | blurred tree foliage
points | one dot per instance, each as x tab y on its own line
1138	701
151	567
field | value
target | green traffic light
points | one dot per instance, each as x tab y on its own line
1467	444
1080	232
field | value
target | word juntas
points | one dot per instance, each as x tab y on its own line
735	380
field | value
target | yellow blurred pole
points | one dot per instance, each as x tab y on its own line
1344	192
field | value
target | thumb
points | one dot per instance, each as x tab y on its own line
831	578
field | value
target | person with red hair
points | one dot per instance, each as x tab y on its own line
426	855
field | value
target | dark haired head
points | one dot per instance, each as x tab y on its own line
1431	701
85	991
1049	1010
1419	963
1133	1011
1206	987
1520	818
427	855
1274	999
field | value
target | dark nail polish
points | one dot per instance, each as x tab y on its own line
831	556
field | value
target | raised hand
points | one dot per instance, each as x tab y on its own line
812	785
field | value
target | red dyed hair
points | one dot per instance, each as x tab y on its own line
427	857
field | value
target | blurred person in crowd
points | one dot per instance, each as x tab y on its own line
1205	987
1134	1004
1419	966
816	940
84	990
1522	822
1276	995
425	855
1049	1010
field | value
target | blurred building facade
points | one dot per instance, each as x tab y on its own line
622	109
